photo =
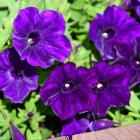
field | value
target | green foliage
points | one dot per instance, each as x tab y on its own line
27	117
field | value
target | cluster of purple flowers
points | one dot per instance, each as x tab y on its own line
72	90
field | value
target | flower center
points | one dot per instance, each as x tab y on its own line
109	33
17	73
100	86
68	86
135	62
33	38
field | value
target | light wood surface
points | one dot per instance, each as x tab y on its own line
130	132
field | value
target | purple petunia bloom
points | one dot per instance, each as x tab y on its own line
15	132
106	28
39	37
128	55
67	90
101	124
132	4
112	88
82	124
17	78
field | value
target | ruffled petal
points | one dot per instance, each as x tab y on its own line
52	23
22	47
75	126
38	57
57	46
119	76
29	20
119	96
103	103
63	107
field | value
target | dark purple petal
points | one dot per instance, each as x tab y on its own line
28	18
119	97
101	67
55	44
128	46
101	124
52	23
15	132
19	45
103	103
40	59
119	76
75	127
63	107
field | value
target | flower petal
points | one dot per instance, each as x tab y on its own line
57	46
52	23
28	18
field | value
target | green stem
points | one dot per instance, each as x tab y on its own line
4	115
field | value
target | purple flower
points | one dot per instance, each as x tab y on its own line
112	88
83	123
17	78
75	126
106	28
67	90
39	37
101	124
132	4
128	55
15	132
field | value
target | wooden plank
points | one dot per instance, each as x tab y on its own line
130	132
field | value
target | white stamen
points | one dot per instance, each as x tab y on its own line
99	85
105	35
67	85
30	41
138	62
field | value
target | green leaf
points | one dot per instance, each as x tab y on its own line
76	15
34	125
35	3
134	103
135	115
80	56
78	4
5	3
4	35
6	135
46	133
52	4
13	115
33	136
